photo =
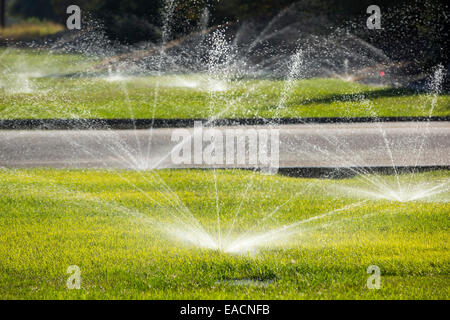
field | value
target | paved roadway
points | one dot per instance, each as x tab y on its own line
301	146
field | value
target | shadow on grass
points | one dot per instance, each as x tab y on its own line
355	97
351	97
345	173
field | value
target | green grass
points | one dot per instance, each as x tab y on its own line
35	85
28	30
106	222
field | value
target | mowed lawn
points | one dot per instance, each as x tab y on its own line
49	85
111	223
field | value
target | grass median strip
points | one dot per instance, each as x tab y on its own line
44	86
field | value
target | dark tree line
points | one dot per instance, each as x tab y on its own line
416	33
2	13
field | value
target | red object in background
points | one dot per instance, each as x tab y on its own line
382	73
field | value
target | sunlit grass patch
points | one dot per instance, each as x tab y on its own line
109	223
45	85
28	30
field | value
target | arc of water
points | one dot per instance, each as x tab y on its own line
435	86
181	208
234	246
386	142
269	26
73	193
293	74
271	214
168	11
128	212
249	184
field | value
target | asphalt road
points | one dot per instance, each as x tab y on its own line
405	144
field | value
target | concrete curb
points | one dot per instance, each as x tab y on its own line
130	124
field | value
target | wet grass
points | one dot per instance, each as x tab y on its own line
106	222
37	85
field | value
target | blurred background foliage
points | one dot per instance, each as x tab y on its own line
413	30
